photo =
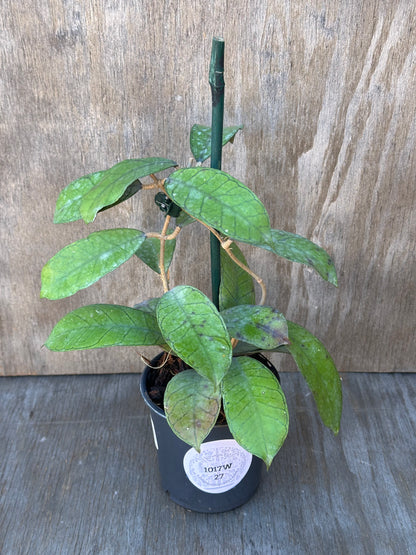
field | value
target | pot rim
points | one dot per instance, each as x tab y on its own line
145	394
143	390
155	408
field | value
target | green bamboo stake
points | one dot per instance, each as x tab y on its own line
216	81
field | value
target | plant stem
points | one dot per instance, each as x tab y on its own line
169	237
226	245
228	250
216	81
162	255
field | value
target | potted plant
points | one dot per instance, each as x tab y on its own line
209	368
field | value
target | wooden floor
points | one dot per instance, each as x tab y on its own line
78	475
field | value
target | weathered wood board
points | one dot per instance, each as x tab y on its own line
78	474
325	91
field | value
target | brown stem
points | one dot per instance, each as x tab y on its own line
226	245
162	255
157	184
166	237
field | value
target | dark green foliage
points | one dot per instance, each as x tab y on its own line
184	320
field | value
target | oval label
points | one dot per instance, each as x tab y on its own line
219	467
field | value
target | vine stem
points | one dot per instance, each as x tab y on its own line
226	245
160	236
157	183
162	255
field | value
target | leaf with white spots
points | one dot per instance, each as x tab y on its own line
84	262
255	408
220	201
192	404
104	325
195	331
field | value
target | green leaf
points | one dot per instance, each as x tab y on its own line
299	249
255	408
236	286
116	180
194	329
69	201
184	219
220	201
104	325
320	373
149	305
82	263
200	140
149	253
192	404
70	198
261	326
129	192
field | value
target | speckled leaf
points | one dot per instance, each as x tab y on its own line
320	373
299	249
82	263
69	201
221	201
70	198
255	408
104	325
115	180
200	140
192	404
149	253
129	192
261	326
236	286
149	305
194	329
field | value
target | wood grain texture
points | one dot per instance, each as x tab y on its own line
78	474
325	91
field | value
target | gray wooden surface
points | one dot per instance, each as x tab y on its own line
78	475
325	90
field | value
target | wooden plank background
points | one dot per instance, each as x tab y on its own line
325	91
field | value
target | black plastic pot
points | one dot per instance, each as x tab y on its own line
220	478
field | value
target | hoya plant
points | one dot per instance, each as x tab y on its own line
215	341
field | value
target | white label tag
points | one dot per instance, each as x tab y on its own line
154	433
219	466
